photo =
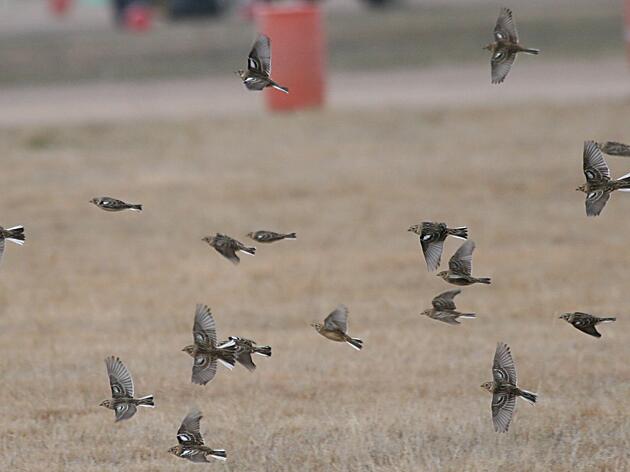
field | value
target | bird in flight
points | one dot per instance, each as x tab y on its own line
613	148
190	441
505	46
599	185
263	236
460	267
335	328
113	204
205	351
228	247
432	236
258	73
244	350
504	389
122	402
444	308
15	235
585	322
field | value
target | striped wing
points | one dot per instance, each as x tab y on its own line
204	331
501	64
445	300
432	253
120	379
461	262
259	59
594	165
124	411
338	319
503	368
595	202
502	410
505	28
188	433
204	368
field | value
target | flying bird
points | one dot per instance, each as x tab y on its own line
505	46
205	351
432	236
15	235
263	236
228	247
613	148
504	389
460	267
113	204
585	322
244	350
444	308
335	328
190	441
258	73
599	185
122	402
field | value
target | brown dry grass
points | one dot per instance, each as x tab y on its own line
89	284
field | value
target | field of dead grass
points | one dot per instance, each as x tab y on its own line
89	284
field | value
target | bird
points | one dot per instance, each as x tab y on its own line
432	236
599	185
504	389
190	441
263	236
460	267
585	322
505	46
444	308
613	148
14	234
244	350
335	328
122	402
113	204
228	247
205	351
257	75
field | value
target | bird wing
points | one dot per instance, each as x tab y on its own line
204	368
461	262
204	331
505	29
503	368
594	164
227	247
586	324
188	433
444	301
259	59
432	253
1	246
446	317
245	359
502	411
338	319
501	64
124	411
120	379
595	202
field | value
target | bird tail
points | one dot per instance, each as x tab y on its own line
613	148
468	315
280	87
264	351
226	354
355	343
531	397
248	250
484	280
290	236
461	232
218	454
535	52
607	320
146	401
16	234
135	207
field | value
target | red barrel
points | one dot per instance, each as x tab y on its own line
297	54
59	7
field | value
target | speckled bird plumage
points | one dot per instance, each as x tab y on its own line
123	402
585	322
191	445
432	236
444	308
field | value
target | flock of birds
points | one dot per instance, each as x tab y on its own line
207	352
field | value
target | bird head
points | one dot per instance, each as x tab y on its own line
240	73
95	201
443	274
426	312
489	386
489	47
208	239
565	316
581	188
316	325
415	229
189	350
174	450
106	403
250	235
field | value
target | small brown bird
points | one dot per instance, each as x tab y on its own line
205	351
599	185
613	148
190	440
460	267
444	308
585	322
257	75
228	247
270	236
432	236
505	46
121	383
504	389
15	235
335	328
112	204
244	350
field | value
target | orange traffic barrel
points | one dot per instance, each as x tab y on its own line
297	54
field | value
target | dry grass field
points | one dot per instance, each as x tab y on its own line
89	284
